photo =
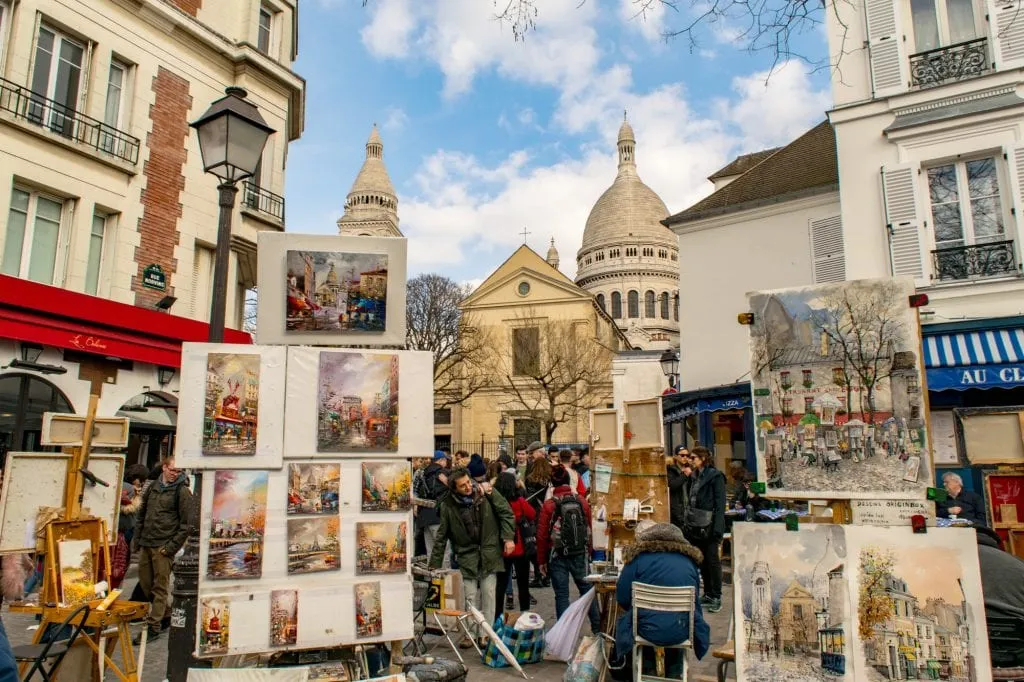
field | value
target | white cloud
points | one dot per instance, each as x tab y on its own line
389	31
395	119
648	18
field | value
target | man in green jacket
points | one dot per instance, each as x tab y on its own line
162	525
481	527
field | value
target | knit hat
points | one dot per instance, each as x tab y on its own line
476	467
440	454
664	532
552	449
535	445
559	476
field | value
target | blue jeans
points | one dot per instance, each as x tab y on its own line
8	668
560	568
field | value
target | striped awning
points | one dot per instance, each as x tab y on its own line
996	347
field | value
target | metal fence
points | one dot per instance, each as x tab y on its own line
490	449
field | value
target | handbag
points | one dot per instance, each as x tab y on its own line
697	523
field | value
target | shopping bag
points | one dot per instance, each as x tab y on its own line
562	638
589	662
119	561
526	645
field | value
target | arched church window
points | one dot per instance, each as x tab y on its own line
675	306
649	304
664	305
600	301
633	298
616	305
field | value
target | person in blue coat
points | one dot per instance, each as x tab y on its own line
660	556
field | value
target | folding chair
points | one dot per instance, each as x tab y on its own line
460	622
656	598
38	654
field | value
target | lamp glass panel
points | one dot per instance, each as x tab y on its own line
245	143
213	143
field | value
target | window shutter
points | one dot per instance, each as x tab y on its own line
827	250
903	221
1015	164
197	268
887	52
1006	33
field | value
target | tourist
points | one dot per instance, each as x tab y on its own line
582	467
433	487
537	483
678	485
522	462
481	527
575	482
1002	585
960	503
460	460
477	468
518	561
704	523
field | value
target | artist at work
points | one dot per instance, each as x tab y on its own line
960	503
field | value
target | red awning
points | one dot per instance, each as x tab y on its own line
52	316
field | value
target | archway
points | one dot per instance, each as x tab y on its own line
153	423
23	400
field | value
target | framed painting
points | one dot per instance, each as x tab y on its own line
1004	493
331	290
991	435
230	414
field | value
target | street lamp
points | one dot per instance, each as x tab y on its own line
502	425
670	366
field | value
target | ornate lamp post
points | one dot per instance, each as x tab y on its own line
232	135
670	367
502	425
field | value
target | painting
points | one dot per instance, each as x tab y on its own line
284	617
387	486
214	616
912	468
357	406
331	291
381	547
313	488
237	524
231	406
792	603
837	391
328	672
77	573
313	545
368	613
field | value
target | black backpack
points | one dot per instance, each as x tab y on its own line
570	533
527	530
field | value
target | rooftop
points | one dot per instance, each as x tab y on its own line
742	163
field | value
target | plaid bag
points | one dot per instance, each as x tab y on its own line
526	645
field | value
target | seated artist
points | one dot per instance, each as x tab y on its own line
961	503
659	556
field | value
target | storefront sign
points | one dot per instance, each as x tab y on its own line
153	277
961	378
890	512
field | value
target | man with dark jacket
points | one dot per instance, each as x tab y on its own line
1002	585
161	528
678	469
432	486
707	495
960	503
481	527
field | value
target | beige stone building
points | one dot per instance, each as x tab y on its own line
371	208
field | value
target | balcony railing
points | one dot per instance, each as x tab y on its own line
259	199
27	106
974	262
950	63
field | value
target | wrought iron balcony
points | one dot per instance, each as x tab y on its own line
950	63
27	106
264	201
974	262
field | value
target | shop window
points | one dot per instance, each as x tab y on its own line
633	298
525	351
649	304
23	400
664	305
33	234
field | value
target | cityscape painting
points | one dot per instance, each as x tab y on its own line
357	402
313	545
313	488
237	524
284	617
231	407
836	382
214	616
380	547
332	291
387	486
368	612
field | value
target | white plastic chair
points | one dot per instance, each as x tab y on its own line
656	598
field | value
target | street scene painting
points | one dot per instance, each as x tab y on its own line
368	613
331	291
313	545
387	486
214	616
313	488
357	402
237	524
77	581
231	408
284	617
837	391
792	604
380	547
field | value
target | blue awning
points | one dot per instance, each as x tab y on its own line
711	405
975	376
994	347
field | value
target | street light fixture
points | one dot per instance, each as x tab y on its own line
670	366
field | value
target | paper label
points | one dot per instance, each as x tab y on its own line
602	477
890	512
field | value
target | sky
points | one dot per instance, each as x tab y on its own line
485	136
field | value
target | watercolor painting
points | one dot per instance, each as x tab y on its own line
368	612
77	573
284	617
836	381
313	545
313	488
237	524
792	603
387	486
334	291
231	410
381	547
357	402
214	616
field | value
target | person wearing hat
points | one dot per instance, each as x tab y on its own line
659	556
433	486
477	468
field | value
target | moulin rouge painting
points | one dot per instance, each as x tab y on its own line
237	524
332	291
357	402
214	615
231	409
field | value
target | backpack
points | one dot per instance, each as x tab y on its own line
569	532
527	531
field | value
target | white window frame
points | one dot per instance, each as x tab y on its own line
964	198
51	82
25	260
942	21
270	13
106	233
123	100
6	19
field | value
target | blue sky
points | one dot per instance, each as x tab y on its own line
484	136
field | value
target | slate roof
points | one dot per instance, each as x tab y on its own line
806	166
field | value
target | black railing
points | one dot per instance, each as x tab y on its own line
57	118
951	63
975	262
259	199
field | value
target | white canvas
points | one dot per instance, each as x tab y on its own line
188	450
272	278
838	391
415	434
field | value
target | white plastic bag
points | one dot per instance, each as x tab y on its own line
529	620
589	662
560	641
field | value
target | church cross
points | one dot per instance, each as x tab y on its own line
525	232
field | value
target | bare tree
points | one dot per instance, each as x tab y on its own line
767	349
249	311
435	322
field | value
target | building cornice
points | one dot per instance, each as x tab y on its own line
628	274
760	210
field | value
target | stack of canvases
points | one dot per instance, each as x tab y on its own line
305	445
837	382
